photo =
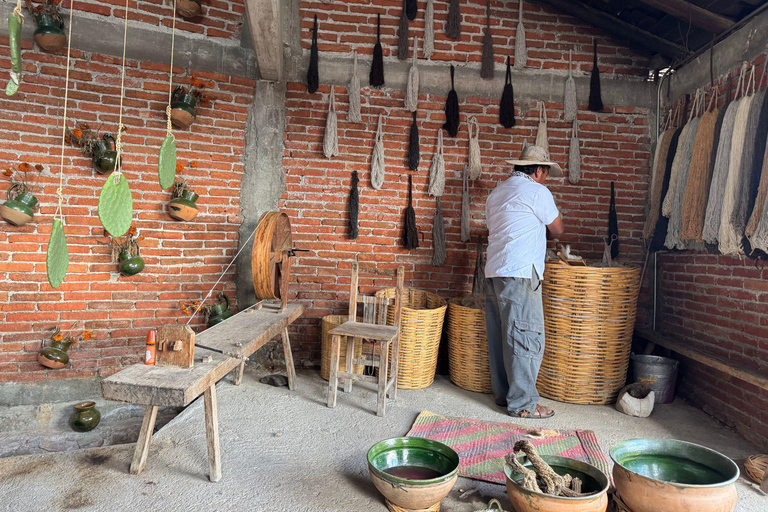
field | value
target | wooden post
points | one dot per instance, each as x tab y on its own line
145	436
381	398
333	379
212	433
289	369
285	272
348	362
239	373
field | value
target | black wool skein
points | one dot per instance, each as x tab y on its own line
402	35
595	99
486	63
453	23
413	146
376	78
410	233
354	206
313	77
507	103
451	124
411	9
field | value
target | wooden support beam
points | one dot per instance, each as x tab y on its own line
621	30
693	14
266	36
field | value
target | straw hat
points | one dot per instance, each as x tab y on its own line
537	155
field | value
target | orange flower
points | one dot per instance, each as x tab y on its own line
193	164
132	230
179	166
39	167
8	173
87	335
24	167
196	82
140	238
58	337
77	132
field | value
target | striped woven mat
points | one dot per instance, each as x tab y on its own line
482	445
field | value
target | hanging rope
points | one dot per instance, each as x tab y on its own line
574	155
571	105
60	190
412	91
437	169
353	114
170	74
377	159
474	164
119	140
331	139
542	139
521	53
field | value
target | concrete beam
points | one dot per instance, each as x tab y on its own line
97	34
266	35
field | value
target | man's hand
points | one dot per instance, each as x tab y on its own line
556	228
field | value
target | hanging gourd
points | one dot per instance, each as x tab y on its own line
313	76
486	62
402	35
570	103
377	159
429	29
166	160
15	21
521	53
353	91
507	103
331	138
412	92
474	165
451	124
376	76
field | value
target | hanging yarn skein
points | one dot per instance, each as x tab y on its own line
659	232
474	164
486	62
331	138
465	229
377	159
429	29
353	91
437	169
413	146
438	235
595	96
313	75
542	139
451	124
410	232
570	103
657	178
376	76
402	35
762	188
507	103
412	92
453	23
354	206
574	155
521	52
411	9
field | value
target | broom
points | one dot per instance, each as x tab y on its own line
453	23
451	124
412	91
354	206
353	91
595	99
377	159
570	103
376	77
410	233
402	35
429	29
521	53
313	76
507	103
438	235
413	146
486	63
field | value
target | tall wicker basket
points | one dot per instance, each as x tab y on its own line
421	327
330	322
468	348
589	317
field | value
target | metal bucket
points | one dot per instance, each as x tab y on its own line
660	373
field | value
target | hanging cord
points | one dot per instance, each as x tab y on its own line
60	190
118	142
170	73
17	10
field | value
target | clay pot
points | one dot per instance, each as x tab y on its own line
666	475
55	355
17	210
105	155
130	264
219	311
593	480
183	207
183	104
49	35
85	418
413	451
188	8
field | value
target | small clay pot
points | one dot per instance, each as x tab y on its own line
85	418
54	356
17	210
105	155
219	311
183	104
49	35
130	265
188	8
183	207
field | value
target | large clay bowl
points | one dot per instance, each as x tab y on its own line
413	451
593	480
665	475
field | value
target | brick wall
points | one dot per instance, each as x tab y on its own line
615	146
183	260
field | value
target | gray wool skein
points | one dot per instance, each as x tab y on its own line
437	169
353	90
429	29
377	159
677	183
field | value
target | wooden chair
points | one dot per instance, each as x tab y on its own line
372	329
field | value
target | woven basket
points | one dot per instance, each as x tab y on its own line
468	348
421	326
589	317
756	466
330	322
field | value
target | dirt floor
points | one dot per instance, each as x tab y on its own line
286	451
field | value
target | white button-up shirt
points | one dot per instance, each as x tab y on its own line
517	213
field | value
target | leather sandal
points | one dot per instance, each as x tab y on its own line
540	413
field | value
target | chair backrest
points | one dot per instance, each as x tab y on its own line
376	309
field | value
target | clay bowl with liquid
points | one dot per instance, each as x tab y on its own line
593	481
665	475
413	473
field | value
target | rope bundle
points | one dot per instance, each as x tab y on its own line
438	235
437	169
451	124
507	103
377	159
465	204
429	29
486	62
542	139
574	155
353	114
474	164
412	92
313	76
453	23
595	96
413	146
331	139
570	103
521	53
402	34
376	76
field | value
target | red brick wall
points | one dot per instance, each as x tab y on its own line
183	260
615	146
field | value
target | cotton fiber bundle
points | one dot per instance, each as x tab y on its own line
331	138
438	235
662	222
353	114
377	159
474	164
437	169
570	103
521	53
542	139
574	155
465	204
673	202
657	180
412	92
429	29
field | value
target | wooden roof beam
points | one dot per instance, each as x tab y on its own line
693	14
266	36
621	30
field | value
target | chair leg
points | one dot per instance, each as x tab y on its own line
395	367
348	363
212	433
383	377
145	437
333	379
290	370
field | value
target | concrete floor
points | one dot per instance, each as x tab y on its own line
286	451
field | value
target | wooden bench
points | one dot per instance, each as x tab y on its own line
712	360
227	345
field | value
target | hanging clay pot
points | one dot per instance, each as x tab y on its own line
219	311
188	8
105	155
17	210
49	35
85	418
130	264
184	206
55	355
183	104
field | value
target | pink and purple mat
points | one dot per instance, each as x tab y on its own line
482	445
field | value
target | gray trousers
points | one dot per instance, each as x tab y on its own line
514	318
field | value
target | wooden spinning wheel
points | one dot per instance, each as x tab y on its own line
270	261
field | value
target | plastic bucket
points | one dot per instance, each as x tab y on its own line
660	373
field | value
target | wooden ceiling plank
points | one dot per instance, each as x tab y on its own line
266	36
688	12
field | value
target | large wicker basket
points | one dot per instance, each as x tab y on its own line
421	326
330	322
589	316
468	348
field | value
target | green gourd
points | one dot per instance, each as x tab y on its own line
15	22
57	259
166	163
116	205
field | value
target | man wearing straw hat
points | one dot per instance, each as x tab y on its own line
519	211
